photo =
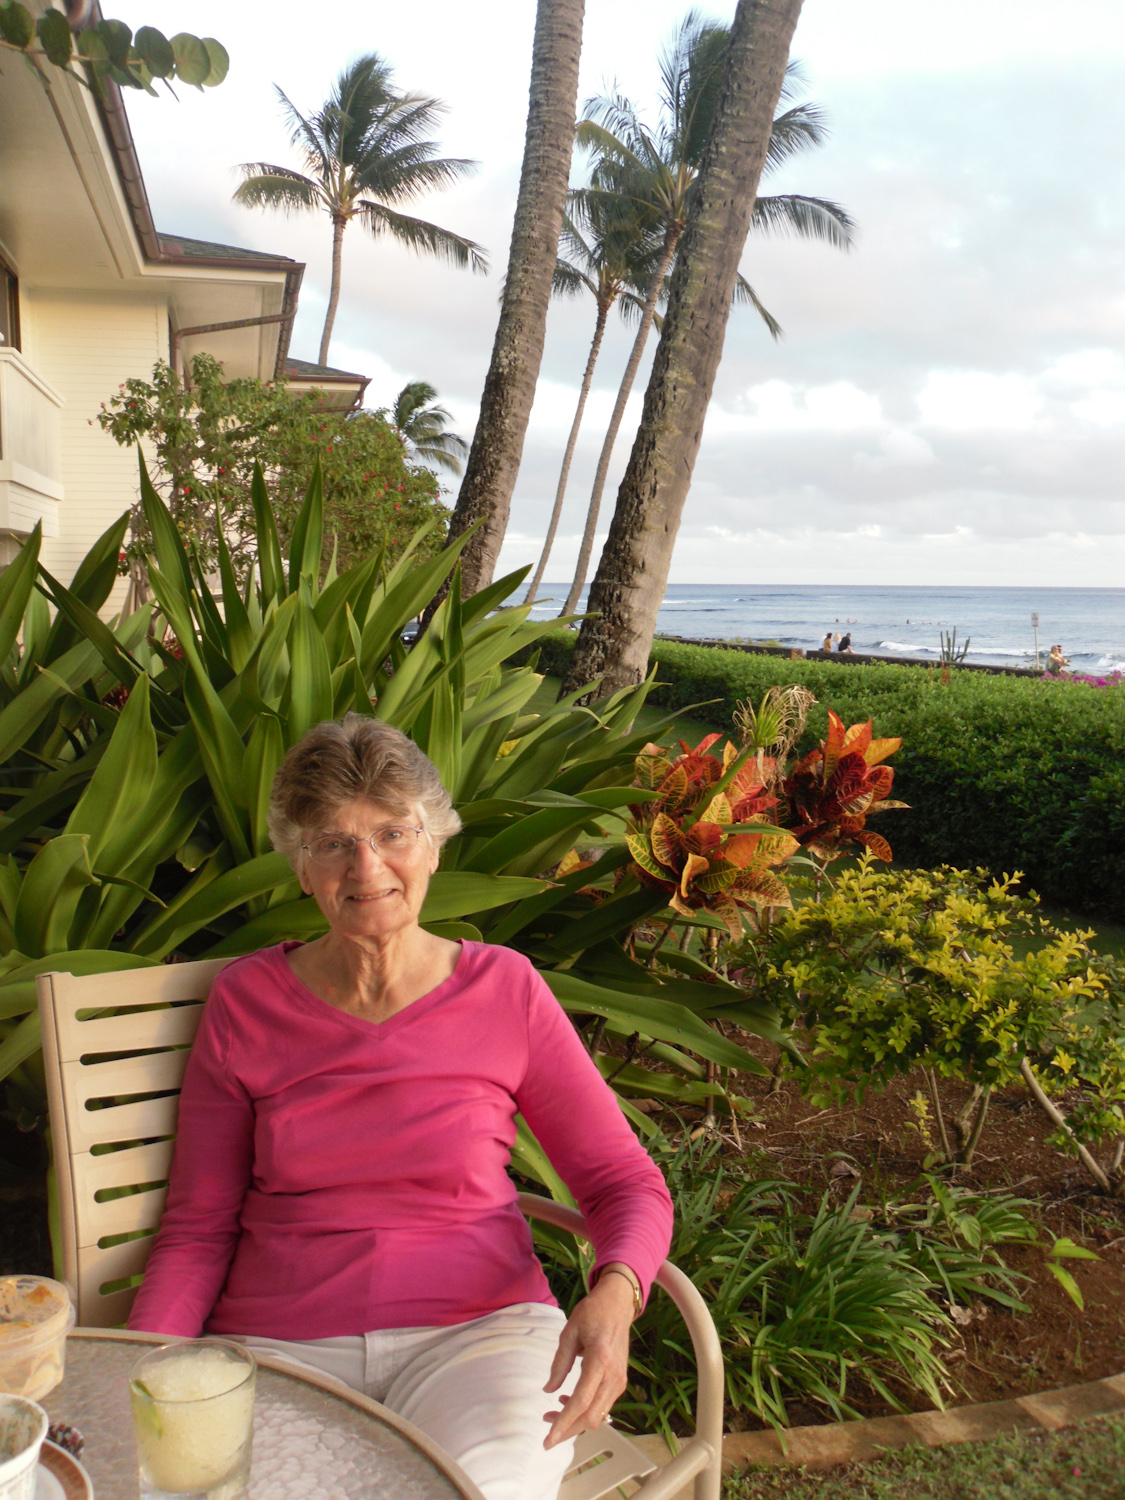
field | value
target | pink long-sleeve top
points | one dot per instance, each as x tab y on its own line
336	1176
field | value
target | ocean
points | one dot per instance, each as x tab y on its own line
1089	624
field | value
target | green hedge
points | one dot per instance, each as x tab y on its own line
1011	773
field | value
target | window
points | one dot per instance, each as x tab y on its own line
9	308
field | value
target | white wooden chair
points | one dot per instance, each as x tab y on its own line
114	1049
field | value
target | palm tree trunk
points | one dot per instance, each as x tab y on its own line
632	575
587	548
571	442
339	224
509	387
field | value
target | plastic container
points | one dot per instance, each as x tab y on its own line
36	1314
23	1426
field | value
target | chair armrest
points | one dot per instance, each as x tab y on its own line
697	1317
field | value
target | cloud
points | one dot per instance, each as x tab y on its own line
948	399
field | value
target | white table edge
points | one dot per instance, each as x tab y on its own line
337	1388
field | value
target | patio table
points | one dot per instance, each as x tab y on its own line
312	1437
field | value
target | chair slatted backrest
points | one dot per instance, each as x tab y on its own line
115	1047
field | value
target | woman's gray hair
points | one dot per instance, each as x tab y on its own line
342	759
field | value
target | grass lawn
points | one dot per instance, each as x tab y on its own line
1080	1463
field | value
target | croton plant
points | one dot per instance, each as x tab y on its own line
703	839
699	841
829	795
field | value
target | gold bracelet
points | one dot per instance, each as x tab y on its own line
630	1277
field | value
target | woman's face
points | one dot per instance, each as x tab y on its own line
374	892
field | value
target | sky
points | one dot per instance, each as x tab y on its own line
947	403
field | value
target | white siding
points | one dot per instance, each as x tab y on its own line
86	345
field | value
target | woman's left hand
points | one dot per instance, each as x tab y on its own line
597	1332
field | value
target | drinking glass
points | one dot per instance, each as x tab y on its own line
193	1413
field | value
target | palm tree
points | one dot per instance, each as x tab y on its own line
613	262
366	152
485	495
420	423
657	172
632	574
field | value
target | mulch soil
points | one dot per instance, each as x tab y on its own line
1002	1354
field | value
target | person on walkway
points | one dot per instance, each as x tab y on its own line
826	643
845	642
1057	662
339	1193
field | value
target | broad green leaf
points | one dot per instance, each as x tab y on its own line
454	894
119	789
89	625
193	64
254	877
309	696
22	717
156	51
91	585
52	885
23	1042
219	59
16	24
661	1019
298	921
521	848
271	573
454	931
16	584
264	753
54	34
308	535
171	554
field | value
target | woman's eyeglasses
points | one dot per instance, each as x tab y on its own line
337	850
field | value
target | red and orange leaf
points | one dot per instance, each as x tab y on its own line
704	838
667	842
775	848
730	914
880	779
742	848
879	750
833	746
858	738
695	864
876	843
718	810
571	862
650	770
673	788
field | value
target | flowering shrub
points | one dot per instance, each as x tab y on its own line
1113	679
204	439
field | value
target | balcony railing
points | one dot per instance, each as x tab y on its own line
30	448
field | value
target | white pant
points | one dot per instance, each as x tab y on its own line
476	1388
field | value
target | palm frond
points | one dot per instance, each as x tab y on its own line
267	186
421	236
569	281
409	171
797	129
804	217
306	137
447	451
745	295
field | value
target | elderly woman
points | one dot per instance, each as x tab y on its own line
339	1192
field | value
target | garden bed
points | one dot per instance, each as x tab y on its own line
873	1146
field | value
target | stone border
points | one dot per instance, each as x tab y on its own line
850	1442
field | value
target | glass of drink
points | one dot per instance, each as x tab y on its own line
193	1413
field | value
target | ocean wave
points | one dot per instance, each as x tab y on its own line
901	646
